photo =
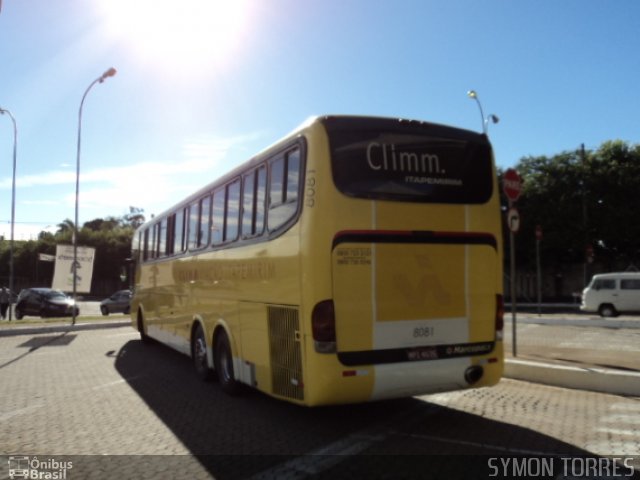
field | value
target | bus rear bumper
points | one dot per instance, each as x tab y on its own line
406	379
419	378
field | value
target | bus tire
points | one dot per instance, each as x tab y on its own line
146	339
199	353
224	365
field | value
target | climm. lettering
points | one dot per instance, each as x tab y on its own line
383	156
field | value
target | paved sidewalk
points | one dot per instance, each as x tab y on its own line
119	409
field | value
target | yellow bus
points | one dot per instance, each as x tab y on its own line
357	259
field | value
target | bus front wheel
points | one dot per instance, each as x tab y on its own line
224	365
143	336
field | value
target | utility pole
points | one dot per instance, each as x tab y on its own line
585	276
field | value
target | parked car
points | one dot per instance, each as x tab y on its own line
118	302
44	302
612	293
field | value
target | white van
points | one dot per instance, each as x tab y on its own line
612	293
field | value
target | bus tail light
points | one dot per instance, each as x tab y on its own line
323	325
499	317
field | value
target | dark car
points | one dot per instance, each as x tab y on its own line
44	302
118	302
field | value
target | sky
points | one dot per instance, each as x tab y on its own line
203	85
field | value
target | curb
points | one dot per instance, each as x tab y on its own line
61	328
596	379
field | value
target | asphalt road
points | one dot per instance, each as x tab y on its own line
577	339
89	308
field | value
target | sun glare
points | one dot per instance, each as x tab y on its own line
189	34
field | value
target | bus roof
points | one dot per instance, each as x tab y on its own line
338	121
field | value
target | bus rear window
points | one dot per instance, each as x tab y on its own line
409	161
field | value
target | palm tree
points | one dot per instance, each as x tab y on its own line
65	227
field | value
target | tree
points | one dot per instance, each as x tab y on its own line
613	200
102	224
66	226
582	199
111	237
134	218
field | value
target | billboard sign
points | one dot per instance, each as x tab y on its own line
63	273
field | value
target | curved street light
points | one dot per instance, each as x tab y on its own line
109	73
13	204
485	120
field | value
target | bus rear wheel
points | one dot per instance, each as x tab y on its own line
199	353
224	365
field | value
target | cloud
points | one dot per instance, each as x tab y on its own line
153	186
200	154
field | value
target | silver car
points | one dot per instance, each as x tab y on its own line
118	302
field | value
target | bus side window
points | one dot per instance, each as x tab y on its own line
171	229
205	221
254	190
276	192
248	205
217	217
178	244
153	251
261	192
194	216
162	238
137	250
231	225
145	245
283	189
293	176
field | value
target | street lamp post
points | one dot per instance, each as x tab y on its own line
485	120
13	204
109	73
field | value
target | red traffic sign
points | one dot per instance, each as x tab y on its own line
512	184
589	253
538	232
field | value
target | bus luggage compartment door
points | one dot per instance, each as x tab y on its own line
404	295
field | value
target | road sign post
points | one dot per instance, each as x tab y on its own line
538	270
512	187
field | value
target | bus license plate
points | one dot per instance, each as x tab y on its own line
422	353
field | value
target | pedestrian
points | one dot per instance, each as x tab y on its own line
5	299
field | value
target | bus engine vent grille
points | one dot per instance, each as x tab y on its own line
284	347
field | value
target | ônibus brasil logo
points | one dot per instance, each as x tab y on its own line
34	468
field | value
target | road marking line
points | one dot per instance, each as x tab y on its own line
621	418
328	456
114	383
322	459
617	431
127	334
519	451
